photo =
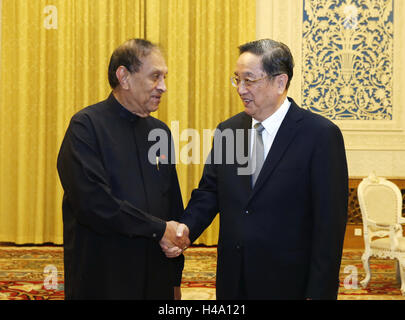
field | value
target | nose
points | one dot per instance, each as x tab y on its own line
242	88
161	85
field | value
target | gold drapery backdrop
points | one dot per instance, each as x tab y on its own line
54	59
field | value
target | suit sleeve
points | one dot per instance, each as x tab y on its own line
177	209
203	205
87	188
329	189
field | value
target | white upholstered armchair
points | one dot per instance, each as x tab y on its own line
381	208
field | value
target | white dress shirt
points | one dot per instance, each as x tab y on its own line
271	126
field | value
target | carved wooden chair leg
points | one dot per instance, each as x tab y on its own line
365	258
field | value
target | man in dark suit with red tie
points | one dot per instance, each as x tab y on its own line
281	226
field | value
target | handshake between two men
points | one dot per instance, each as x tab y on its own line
175	239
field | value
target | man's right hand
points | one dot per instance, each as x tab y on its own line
175	239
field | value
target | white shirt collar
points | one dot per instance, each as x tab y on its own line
273	122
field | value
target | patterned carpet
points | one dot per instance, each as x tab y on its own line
36	273
22	274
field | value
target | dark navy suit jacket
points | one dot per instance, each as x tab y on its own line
286	234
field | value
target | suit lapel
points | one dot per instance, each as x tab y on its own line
284	136
246	178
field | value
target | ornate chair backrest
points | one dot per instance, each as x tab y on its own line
380	203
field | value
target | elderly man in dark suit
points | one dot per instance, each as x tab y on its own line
282	225
119	205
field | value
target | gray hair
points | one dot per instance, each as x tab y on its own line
276	57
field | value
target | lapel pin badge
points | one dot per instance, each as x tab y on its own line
163	157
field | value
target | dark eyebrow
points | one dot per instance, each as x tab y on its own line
246	74
158	72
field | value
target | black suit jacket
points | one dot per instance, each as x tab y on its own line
286	234
114	206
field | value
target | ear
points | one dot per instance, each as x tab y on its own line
282	80
122	75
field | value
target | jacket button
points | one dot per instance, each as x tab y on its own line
247	211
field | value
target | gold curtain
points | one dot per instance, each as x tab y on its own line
54	60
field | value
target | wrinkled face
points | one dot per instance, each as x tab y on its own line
145	87
261	98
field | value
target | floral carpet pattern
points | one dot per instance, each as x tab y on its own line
36	273
31	273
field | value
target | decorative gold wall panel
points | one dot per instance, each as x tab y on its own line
348	58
